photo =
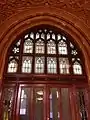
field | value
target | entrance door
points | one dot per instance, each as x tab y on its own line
31	102
44	102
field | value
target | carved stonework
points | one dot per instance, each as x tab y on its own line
37	2
2	1
79	8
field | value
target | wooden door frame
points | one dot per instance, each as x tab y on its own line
74	107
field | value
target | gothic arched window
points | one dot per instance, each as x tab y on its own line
44	51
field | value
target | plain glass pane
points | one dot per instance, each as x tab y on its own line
66	113
38	104
54	104
25	104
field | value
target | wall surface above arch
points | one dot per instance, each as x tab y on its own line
79	8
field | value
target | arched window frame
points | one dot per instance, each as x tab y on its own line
42	34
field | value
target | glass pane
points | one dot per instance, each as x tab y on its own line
38	104
53	36
39	45
27	64
63	37
43	36
81	104
54	104
66	113
12	65
58	37
39	64
71	45
64	65
28	46
25	104
16	48
48	36
62	47
32	35
77	69
26	36
51	65
37	35
51	47
8	96
74	52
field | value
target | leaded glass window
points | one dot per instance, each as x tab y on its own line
51	47
77	69
62	47
39	65
28	46
51	65
46	51
39	46
12	65
64	65
27	64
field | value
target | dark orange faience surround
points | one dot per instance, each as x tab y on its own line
16	23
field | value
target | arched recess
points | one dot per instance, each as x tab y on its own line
17	24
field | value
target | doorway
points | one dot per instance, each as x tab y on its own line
44	77
44	102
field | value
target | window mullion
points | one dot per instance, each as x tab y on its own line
21	55
45	66
58	70
69	56
33	60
